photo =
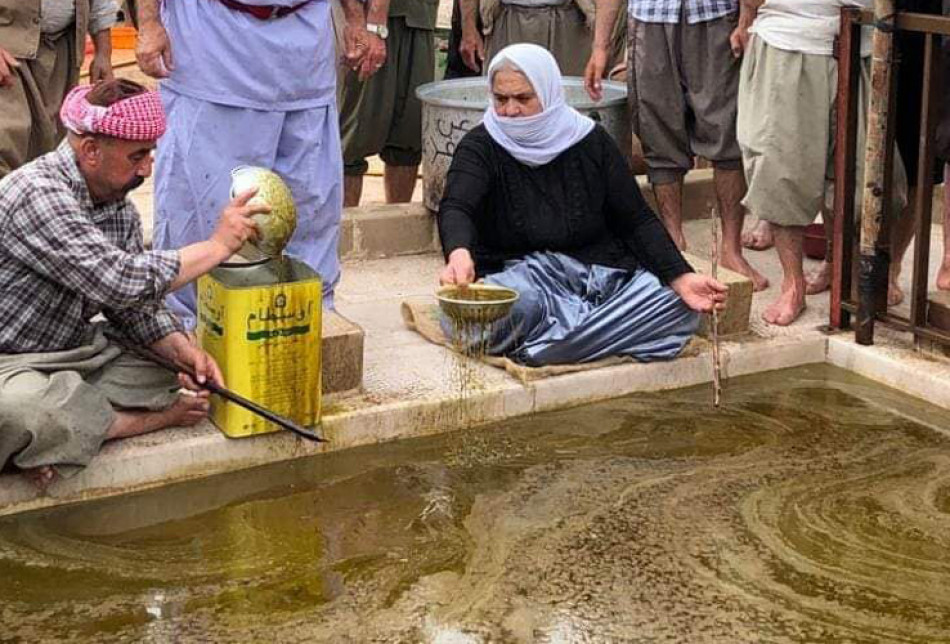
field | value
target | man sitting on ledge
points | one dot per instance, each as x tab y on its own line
539	199
71	247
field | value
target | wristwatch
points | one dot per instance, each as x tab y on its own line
380	30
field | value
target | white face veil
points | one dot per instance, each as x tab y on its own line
536	140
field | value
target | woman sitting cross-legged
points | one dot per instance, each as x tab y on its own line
539	199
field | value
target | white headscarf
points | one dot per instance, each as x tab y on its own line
538	139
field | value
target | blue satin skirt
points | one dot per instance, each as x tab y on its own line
569	312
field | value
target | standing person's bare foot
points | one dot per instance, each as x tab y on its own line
895	294
41	476
943	275
819	280
787	307
736	262
760	237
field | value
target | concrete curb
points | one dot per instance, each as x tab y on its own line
153	460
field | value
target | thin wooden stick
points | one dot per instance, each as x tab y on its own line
717	364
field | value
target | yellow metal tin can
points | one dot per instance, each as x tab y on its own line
264	331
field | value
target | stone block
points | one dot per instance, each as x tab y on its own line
735	319
342	355
389	230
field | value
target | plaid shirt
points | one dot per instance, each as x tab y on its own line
670	11
64	260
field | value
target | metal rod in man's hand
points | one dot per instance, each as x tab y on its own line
216	389
717	365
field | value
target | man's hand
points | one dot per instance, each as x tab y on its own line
235	225
700	292
8	67
182	350
472	49
355	46
460	268
100	68
739	40
202	365
153	50
374	58
594	73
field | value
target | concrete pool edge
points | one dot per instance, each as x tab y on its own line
175	456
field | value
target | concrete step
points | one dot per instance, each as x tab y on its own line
376	231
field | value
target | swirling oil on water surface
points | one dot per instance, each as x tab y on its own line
815	507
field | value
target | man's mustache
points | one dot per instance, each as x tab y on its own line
133	184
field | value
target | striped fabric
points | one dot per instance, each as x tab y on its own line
568	313
671	11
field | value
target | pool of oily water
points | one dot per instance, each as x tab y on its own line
815	506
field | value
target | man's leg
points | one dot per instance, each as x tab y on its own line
669	201
943	275
352	190
366	112
16	120
400	182
402	152
659	118
569	38
29	109
791	302
730	188
186	411
308	157
711	81
902	233
819	280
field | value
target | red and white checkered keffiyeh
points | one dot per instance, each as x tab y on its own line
137	118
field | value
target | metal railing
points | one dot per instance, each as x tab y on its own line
869	302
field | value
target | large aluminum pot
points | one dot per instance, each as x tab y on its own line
453	107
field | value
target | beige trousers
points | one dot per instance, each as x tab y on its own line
786	130
56	408
29	110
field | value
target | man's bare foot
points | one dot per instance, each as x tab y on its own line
943	275
786	308
895	294
819	280
188	410
759	237
736	262
41	476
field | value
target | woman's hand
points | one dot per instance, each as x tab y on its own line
460	268
700	292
